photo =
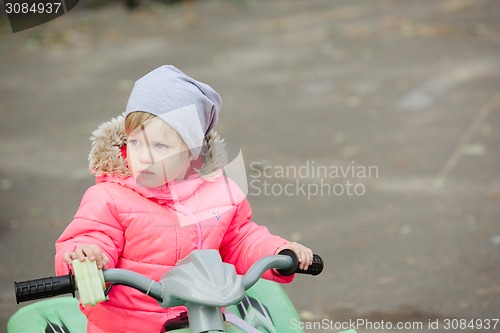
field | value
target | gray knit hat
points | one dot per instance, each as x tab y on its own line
190	107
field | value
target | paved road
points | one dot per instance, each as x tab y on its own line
369	130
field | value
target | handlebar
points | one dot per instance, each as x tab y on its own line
44	287
286	264
314	269
134	280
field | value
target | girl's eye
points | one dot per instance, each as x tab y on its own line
160	146
133	142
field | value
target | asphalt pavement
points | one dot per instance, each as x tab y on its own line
369	130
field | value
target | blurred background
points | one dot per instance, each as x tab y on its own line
410	88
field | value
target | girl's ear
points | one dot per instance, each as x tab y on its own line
123	150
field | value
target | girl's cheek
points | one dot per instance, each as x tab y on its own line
175	166
129	164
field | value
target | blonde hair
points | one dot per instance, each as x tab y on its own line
136	119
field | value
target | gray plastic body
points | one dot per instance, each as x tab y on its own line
205	284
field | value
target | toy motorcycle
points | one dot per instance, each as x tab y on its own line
201	282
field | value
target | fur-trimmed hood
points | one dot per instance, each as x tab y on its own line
109	142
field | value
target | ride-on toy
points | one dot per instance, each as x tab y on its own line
201	282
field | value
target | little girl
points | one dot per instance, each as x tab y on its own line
160	193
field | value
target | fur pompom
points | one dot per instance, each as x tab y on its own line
106	154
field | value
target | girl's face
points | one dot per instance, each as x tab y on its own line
156	154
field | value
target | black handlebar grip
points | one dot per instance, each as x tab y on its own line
44	287
314	269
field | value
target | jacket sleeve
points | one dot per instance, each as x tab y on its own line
245	242
95	222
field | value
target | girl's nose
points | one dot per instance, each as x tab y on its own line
146	156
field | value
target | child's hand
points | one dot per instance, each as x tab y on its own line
90	251
304	254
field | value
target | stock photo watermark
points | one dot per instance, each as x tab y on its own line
447	324
310	179
26	14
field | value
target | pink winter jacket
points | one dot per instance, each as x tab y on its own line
150	230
